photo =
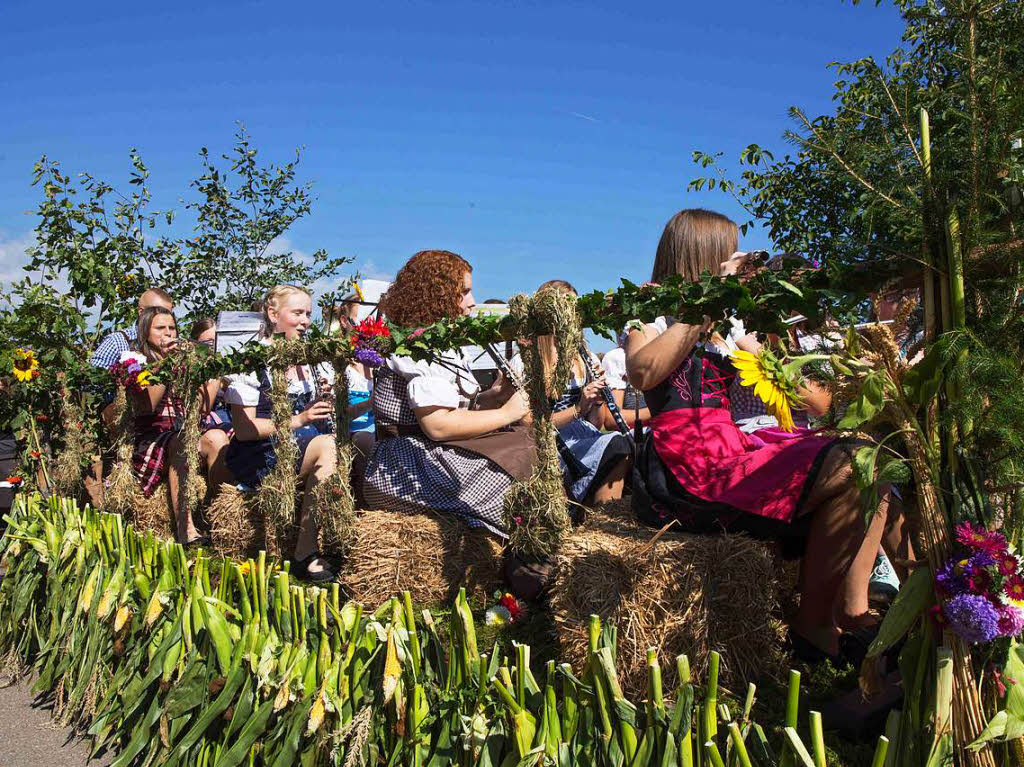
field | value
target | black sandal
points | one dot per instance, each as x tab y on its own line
805	650
300	569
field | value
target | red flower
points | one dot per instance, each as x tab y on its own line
14	479
936	614
1014	589
42	418
35	453
35	374
417	333
372	327
510	603
1007	564
977	537
979	582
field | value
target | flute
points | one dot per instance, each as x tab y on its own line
609	398
573	464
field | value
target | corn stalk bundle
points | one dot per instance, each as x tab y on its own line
276	496
162	660
535	510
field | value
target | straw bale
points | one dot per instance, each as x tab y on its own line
154	513
430	555
681	594
236	527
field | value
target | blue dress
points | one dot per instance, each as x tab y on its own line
596	451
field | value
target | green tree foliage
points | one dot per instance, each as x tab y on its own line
98	247
861	193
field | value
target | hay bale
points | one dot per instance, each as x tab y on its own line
430	555
683	594
236	527
155	513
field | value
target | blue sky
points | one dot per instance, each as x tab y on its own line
538	140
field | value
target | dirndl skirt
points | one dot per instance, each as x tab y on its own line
250	462
597	451
413	474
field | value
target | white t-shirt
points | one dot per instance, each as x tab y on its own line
432	384
244	388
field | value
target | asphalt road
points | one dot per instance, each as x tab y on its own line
29	738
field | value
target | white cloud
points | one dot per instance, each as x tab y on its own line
13	256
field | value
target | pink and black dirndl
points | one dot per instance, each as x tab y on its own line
698	468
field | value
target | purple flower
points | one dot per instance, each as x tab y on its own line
949	580
1011	621
973	617
980	561
369	357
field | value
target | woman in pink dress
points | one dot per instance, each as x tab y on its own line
710	476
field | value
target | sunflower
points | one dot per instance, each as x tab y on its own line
142	380
25	365
771	383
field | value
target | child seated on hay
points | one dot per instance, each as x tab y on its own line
699	468
250	455
158	453
444	445
602	458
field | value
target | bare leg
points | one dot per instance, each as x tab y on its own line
840	552
897	540
186	528
212	447
317	465
611	488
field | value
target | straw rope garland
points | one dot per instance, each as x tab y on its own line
120	491
536	512
184	382
67	473
334	507
276	495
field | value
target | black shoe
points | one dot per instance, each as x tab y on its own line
808	652
202	542
300	569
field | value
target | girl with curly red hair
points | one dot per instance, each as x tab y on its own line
444	445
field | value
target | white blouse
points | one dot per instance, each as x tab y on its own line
614	365
244	388
432	384
661	324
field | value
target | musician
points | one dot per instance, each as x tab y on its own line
444	445
708	475
578	414
630	402
250	454
158	453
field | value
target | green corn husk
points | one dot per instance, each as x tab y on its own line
251	668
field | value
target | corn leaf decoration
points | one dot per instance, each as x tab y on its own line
162	659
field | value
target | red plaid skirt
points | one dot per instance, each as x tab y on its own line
153	431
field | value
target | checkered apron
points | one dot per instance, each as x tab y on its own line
412	473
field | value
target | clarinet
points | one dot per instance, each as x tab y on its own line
609	399
573	464
318	391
